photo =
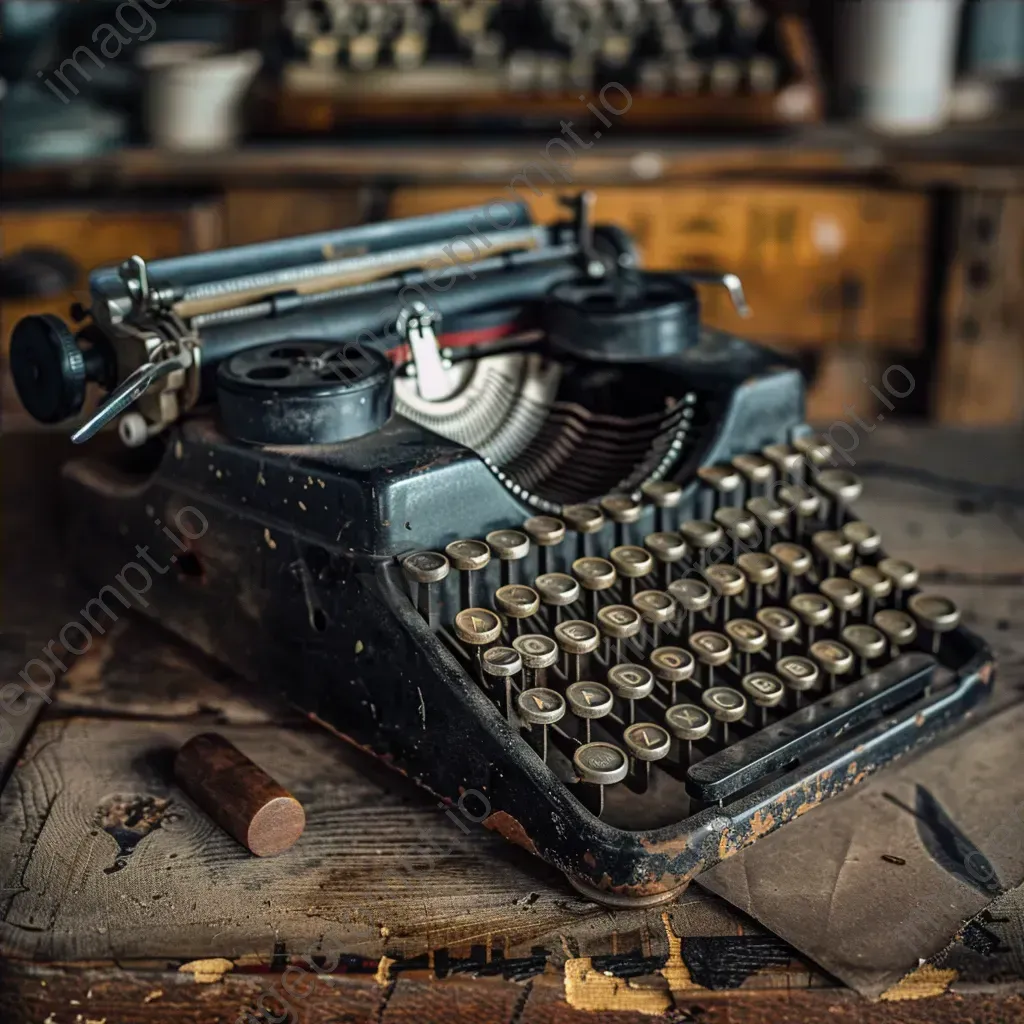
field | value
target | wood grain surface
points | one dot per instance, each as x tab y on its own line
120	901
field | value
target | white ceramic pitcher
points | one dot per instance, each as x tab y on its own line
194	94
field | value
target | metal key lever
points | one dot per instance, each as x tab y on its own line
416	327
134	386
730	282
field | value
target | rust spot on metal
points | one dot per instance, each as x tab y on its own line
505	825
761	824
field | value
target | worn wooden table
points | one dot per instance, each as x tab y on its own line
121	902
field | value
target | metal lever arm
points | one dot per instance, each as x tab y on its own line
128	391
731	282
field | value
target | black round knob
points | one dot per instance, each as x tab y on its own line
638	317
48	368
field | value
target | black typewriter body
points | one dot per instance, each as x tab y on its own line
632	731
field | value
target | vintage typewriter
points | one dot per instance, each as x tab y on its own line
485	499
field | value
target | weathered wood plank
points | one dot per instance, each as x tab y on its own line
133	996
379	870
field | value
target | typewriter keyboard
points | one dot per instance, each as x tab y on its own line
670	650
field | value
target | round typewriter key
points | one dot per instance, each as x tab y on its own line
761	571
589	701
815	449
618	622
692	596
770	514
631	683
477	627
621	508
425	568
667	549
720	482
516	602
711	649
726	705
834	548
600	764
655	608
756	469
842	487
538	653
576	638
899	627
740	526
688	723
786	459
835	659
935	613
663	495
748	638
583	520
844	594
595	575
866	642
543	707
727	582
545	532
502	663
875	584
863	536
510	546
765	690
700	535
794	561
631	563
623	511
780	624
904	576
814	610
798	673
672	665
557	590
468	556
800	502
647	742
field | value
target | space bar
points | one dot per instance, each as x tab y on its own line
768	750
